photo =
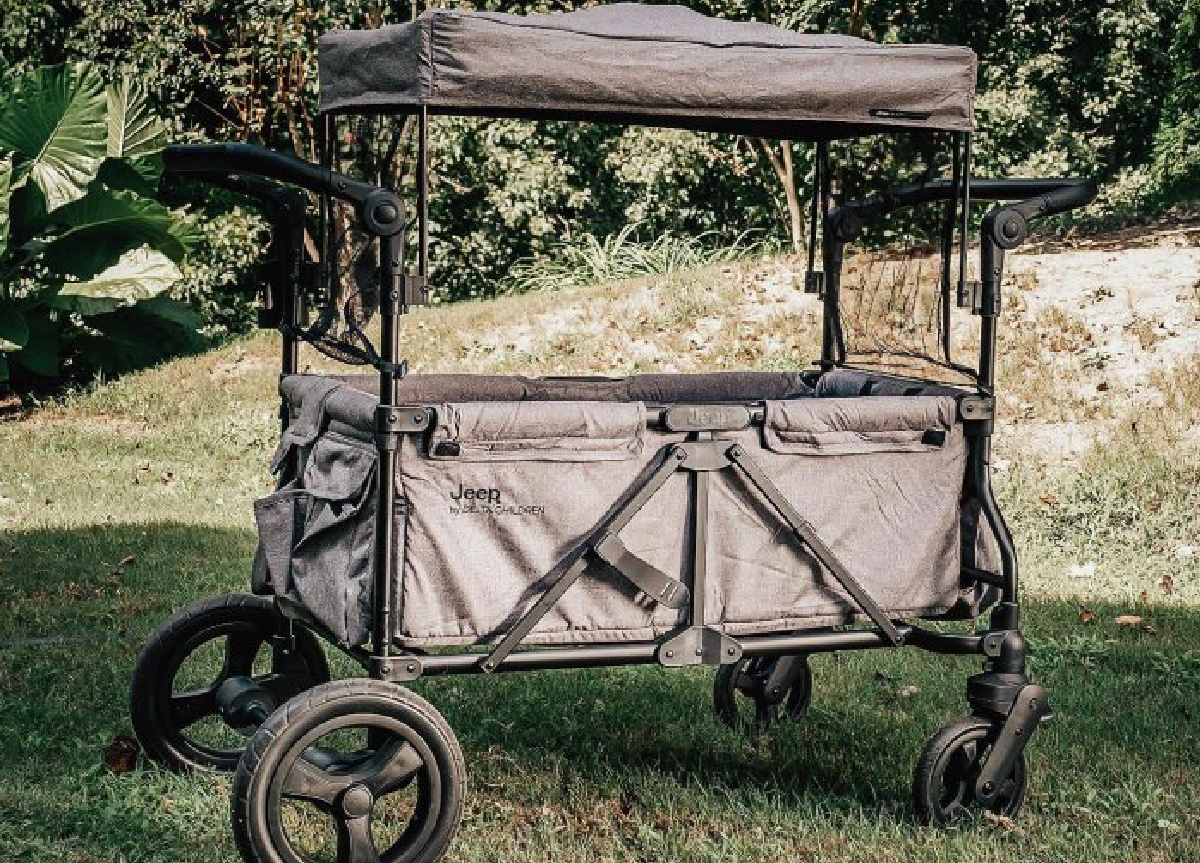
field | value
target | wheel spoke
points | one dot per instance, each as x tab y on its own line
282	685
354	841
400	763
308	782
240	650
1007	792
747	684
188	708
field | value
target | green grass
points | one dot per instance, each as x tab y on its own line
122	504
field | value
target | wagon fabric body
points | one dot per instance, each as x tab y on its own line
452	524
501	494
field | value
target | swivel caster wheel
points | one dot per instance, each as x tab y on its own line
357	771
944	780
211	674
746	695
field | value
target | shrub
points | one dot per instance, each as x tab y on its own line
87	257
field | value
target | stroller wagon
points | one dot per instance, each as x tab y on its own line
445	524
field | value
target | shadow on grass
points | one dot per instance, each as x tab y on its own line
84	601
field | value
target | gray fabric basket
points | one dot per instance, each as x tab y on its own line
498	496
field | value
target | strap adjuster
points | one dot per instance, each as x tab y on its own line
652	581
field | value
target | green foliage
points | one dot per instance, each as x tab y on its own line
229	247
54	122
86	261
594	261
1107	91
1177	145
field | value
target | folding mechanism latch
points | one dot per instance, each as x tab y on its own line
416	290
970	296
652	581
814	282
406	290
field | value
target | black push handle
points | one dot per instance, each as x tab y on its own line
1061	199
380	210
1042	197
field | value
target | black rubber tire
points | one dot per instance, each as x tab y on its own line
288	734
193	626
945	775
726	694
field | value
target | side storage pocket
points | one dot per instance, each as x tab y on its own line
317	536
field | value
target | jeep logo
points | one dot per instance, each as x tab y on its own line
491	495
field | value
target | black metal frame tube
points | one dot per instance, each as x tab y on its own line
646	652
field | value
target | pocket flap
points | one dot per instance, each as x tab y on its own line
539	431
338	467
867	424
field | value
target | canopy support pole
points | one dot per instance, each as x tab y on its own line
831	295
423	197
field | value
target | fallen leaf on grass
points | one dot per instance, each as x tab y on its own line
1002	821
1128	620
121	755
1085	614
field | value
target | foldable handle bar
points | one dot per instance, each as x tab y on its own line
380	210
1039	198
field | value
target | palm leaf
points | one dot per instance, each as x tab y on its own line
14	330
96	230
56	122
135	134
40	354
6	164
139	275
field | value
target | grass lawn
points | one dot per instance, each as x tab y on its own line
124	503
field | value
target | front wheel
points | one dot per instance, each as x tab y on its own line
358	771
950	763
173	695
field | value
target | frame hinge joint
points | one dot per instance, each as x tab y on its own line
395	420
977	408
396	669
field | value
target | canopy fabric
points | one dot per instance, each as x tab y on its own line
647	64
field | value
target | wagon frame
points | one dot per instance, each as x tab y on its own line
1003	701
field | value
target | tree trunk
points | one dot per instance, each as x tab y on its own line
784	167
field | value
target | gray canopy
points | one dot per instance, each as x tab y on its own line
653	65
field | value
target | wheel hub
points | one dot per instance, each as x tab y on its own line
357	801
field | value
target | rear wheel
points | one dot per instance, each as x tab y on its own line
744	696
356	771
173	695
